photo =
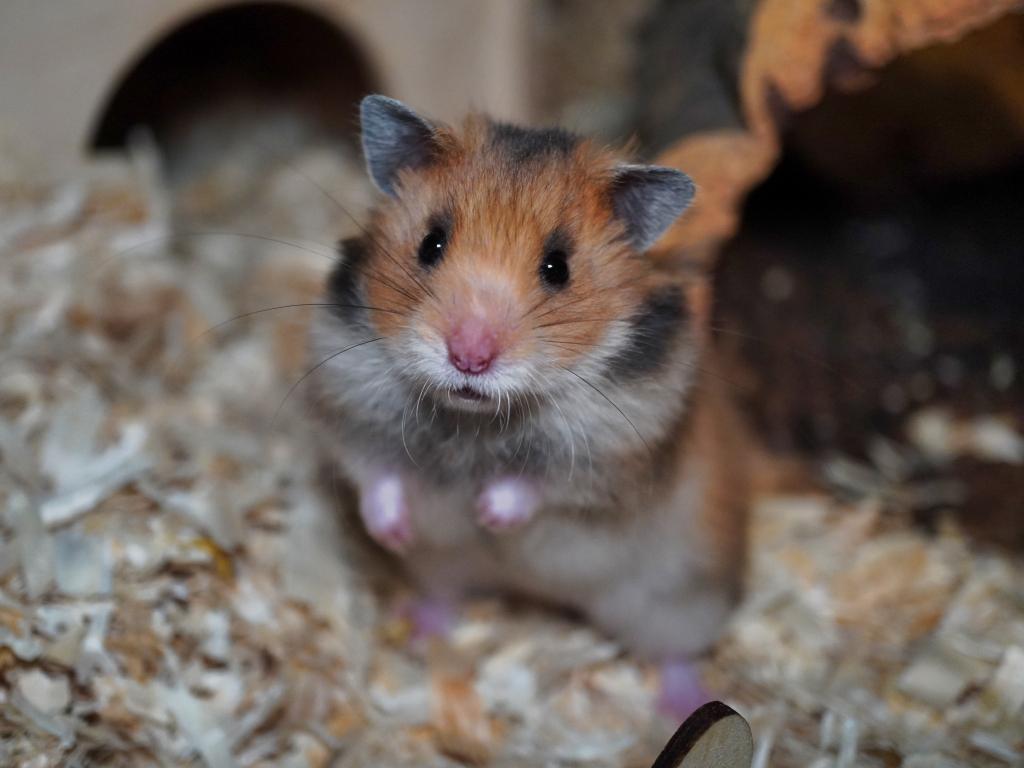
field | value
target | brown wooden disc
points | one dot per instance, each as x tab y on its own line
715	736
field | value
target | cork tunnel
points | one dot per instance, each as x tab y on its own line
877	272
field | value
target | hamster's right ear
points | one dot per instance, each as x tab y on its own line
394	137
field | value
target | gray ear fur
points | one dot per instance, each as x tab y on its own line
648	199
394	137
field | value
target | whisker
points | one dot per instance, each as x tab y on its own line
810	358
405	411
586	444
423	389
501	422
577	343
497	410
311	370
609	289
572	439
529	443
584	320
602	394
208	331
250	236
295	169
522	431
739	386
386	284
508	412
214	233
747	391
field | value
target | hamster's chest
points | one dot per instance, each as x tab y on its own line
452	453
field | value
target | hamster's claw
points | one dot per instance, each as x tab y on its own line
681	690
385	513
507	503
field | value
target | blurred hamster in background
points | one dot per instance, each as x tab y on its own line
519	393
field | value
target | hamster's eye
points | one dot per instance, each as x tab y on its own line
433	247
554	270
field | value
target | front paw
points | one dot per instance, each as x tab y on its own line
385	513
507	503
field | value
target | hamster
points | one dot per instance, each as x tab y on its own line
518	391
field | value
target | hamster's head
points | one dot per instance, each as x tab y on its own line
505	264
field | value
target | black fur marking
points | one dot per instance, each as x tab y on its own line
344	288
560	240
444	220
523	144
848	11
654	327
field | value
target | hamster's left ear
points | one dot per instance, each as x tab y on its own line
648	199
394	138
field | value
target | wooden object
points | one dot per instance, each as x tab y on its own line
715	736
727	101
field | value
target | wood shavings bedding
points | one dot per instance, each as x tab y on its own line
175	590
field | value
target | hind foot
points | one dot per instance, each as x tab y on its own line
682	691
431	618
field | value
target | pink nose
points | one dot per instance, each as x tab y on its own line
472	348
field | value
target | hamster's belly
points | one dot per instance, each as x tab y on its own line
562	555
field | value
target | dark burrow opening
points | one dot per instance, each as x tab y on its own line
880	269
214	81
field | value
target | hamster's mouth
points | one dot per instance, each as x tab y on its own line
467	399
469	395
